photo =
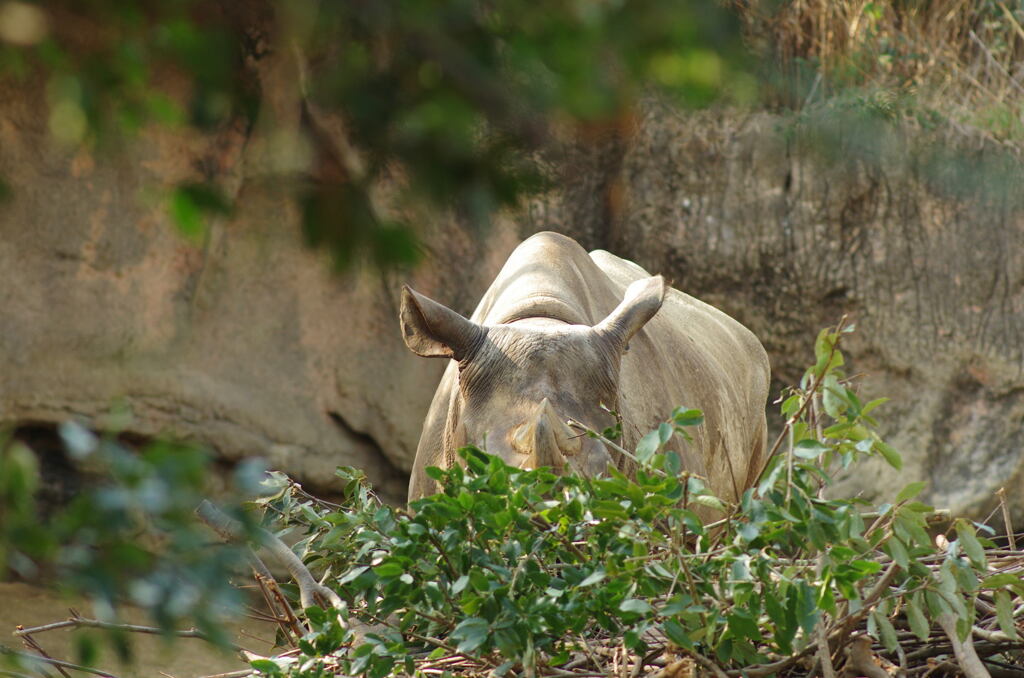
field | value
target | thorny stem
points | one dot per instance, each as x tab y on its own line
31	644
290	618
444	554
269	599
97	624
548	528
572	423
55	662
821	636
789	464
1001	493
708	664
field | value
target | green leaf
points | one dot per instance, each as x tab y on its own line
353	574
965	577
936	604
470	633
1004	613
664	433
388	568
802	600
873	404
825	352
265	666
1001	579
885	629
909	525
790	405
740	569
460	584
895	548
593	578
673	463
809	449
742	626
708	501
969	542
675	605
191	203
687	417
647	446
866	567
917	621
889	453
316	615
833	398
910	491
677	633
636	606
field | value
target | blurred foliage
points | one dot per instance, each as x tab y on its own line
131	537
450	100
460	106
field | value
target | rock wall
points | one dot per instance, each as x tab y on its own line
788	224
244	340
248	342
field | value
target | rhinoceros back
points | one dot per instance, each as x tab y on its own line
692	354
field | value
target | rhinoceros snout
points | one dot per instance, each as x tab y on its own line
546	440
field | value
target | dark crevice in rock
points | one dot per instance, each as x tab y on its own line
59	479
389	482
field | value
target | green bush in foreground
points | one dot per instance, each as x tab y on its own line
521	571
516	572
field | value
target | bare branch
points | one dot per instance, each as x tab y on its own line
31	644
862	659
55	662
311	592
76	622
1001	493
966	657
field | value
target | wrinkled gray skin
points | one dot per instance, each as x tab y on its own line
560	332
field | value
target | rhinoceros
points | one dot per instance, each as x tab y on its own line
560	333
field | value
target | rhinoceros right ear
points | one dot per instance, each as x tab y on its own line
642	300
433	330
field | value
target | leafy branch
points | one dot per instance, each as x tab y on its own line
525	573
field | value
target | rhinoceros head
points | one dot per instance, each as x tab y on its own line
519	383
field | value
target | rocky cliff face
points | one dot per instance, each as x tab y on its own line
246	341
789	224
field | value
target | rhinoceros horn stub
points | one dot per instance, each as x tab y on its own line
546	439
433	330
643	298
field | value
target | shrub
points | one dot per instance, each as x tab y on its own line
525	572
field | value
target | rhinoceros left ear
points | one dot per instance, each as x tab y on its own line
433	330
642	300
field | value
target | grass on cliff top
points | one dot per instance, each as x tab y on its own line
963	60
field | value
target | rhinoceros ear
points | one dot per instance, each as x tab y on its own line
435	331
642	300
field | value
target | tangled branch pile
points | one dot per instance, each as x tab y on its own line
513	572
